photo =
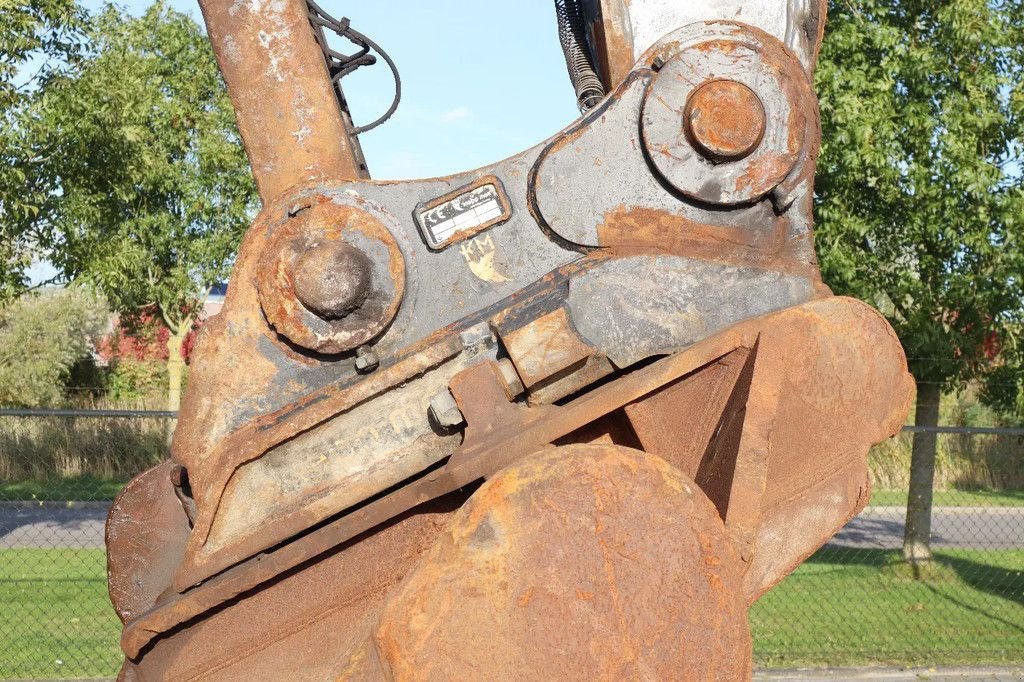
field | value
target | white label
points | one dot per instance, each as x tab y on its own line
464	214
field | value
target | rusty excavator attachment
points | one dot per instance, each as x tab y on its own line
565	416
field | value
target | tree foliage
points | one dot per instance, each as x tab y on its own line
42	336
37	38
147	186
39	31
920	204
144	187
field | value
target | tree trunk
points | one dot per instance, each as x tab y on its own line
917	533
175	366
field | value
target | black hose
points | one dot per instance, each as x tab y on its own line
578	60
340	64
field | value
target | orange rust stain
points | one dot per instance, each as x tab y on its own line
725	119
712	572
636	230
628	647
763	167
645	227
614	43
720	46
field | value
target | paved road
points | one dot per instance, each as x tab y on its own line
27	524
962	527
51	524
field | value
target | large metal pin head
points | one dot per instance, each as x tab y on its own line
332	278
724	120
728	114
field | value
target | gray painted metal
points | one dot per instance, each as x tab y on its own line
633	308
443	288
346	460
602	168
793	21
702	58
573	183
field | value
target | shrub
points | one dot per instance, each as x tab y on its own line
42	336
136	381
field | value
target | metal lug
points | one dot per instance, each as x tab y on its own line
510	378
445	411
478	334
367	359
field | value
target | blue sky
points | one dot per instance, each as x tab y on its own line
481	80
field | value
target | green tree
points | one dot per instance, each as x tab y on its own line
42	336
148	190
920	208
36	38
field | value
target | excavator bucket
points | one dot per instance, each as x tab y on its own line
565	416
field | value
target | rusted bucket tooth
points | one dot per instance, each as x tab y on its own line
568	415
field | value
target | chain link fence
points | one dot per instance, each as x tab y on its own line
856	602
59	473
853	603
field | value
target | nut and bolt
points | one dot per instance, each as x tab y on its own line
724	120
366	359
445	410
476	335
332	279
510	378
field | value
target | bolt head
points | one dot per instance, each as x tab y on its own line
724	120
366	359
445	410
476	335
332	279
510	378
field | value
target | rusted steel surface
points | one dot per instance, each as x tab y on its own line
717	56
725	120
379	470
331	279
547	350
304	624
610	33
281	92
519	588
145	536
500	432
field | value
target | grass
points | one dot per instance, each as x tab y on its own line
962	461
954	498
848	607
55	618
65	489
843	607
52	448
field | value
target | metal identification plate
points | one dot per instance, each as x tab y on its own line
463	213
